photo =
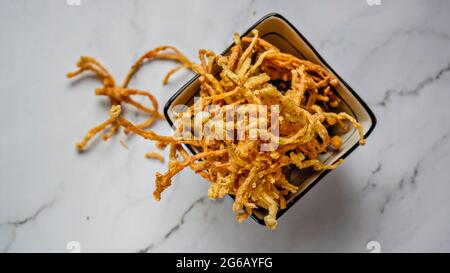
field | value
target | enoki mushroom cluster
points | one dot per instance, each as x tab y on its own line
253	72
122	94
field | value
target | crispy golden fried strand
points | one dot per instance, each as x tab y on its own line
153	155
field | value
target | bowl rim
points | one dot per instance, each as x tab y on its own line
327	66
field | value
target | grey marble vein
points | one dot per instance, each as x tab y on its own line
21	222
411	178
388	94
371	178
401	33
176	227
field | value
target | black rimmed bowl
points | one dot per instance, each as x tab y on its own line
278	31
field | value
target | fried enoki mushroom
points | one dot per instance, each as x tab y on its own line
253	73
153	155
122	94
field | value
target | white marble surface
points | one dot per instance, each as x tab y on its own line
395	190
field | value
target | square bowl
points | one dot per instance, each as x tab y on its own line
278	31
